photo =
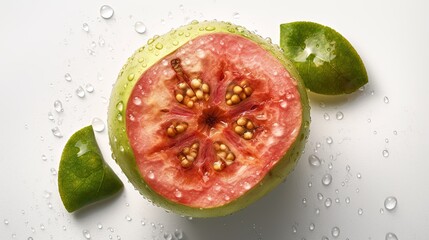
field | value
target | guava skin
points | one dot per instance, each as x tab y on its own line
155	50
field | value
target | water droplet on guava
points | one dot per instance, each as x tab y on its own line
80	92
151	175
57	133
106	12
58	106
314	160
120	106
68	77
391	236
139	27
97	124
327	179
335	232
390	203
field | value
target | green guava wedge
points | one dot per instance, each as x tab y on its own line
83	176
207	118
326	61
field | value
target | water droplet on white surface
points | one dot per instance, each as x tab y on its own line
320	196
386	99
50	116
89	88
99	226
385	153
57	133
327	179
139	27
6	222
58	106
86	234
304	201
328	202
314	160
236	15
360	211
391	236
178	234
339	115
80	92
128	218
294	230
106	12
329	140
347	200
98	124
311	227
326	116
44	158
85	27
68	77
390	203
168	236
358	175
335	232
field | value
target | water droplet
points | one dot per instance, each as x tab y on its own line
143	222
140	27
391	236
137	101
86	234
29	238
329	140
339	115
42	227
320	196
325	238
89	88
178	193
151	175
360	211
120	106
390	203
85	27
310	184
53	171
106	12
99	226
294	230
68	77
236	15
304	201
385	153
128	218
337	200
80	92
314	160
347	200
57	133
335	232
327	179
326	116
328	202
101	42
317	211
330	166
358	175
386	140
97	124
246	185
159	46
58	106
6	222
395	132
381	210
386	99
44	158
168	236
178	234
311	227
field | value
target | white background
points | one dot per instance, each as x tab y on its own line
41	41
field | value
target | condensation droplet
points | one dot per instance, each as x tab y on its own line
330	166
85	27
358	175
128	218
53	171
86	234
44	158
311	227
317	211
168	236
360	211
326	116
151	175
236	15
246	185
348	168
335	232
327	179
385	153
314	160
178	234
6	222
57	133
320	196
68	77
139	27
101	41
120	106
294	229
178	193
106	12
386	99
381	210
391	236
329	140
89	88
42	227
50	116
80	92
390	203
58	106
339	115
137	101
328	202
98	124
99	226
310	184
347	200
304	201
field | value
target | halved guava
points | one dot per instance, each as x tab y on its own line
207	118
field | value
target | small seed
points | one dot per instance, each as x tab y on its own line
223	147
229	102
221	154
186	150
239	129
171	132
216	146
190	104
242	121
244	83
237	89
250	125
196	83
193	154
186	163
235	99
190	158
194	98
195	145
218	165
230	156
182	85
181	127
190	93
179	97
199	94
228	96
206	97
243	96
248	135
205	88
248	91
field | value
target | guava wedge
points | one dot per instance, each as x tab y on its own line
207	118
84	177
326	61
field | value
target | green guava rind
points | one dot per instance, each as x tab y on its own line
83	176
344	74
156	49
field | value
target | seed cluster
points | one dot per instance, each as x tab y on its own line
237	93
244	127
224	155
188	95
188	155
176	128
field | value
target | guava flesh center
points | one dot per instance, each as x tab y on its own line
210	152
